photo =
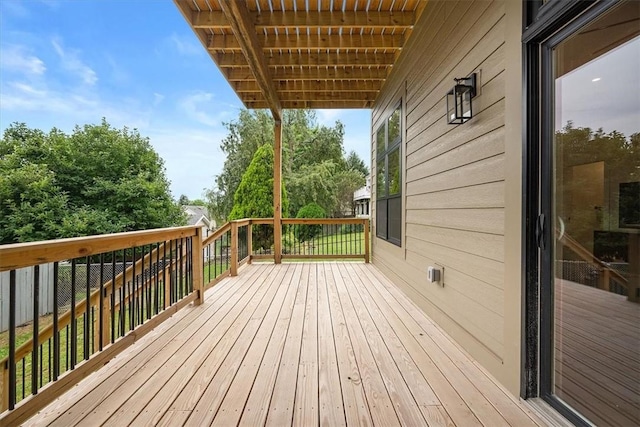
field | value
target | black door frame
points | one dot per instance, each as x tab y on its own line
545	25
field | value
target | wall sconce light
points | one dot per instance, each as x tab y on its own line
459	100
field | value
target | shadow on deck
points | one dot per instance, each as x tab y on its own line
297	343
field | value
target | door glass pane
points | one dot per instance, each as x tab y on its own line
597	219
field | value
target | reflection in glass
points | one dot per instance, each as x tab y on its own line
394	172
380	140
381	185
596	195
394	127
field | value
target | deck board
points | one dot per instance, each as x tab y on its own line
294	344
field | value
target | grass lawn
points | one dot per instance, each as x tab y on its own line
335	244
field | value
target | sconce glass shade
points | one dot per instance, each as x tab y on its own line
459	105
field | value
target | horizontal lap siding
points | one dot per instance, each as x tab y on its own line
454	176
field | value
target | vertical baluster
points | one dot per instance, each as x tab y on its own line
165	284
132	297
56	333
156	295
180	270
101	308
113	296
67	348
24	373
12	339
171	274
36	347
72	341
87	311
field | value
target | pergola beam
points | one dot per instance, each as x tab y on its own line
239	17
311	19
321	42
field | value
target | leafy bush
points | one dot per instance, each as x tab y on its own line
307	232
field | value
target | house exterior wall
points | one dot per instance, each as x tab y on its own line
461	184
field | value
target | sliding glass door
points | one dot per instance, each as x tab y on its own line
589	206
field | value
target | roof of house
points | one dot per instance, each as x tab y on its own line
195	214
296	54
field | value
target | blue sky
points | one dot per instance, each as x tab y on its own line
137	64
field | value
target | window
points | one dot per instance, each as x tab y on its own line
389	179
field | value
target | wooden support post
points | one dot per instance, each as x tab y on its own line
4	398
233	267
366	241
197	264
277	193
249	242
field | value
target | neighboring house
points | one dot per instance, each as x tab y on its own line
198	215
362	200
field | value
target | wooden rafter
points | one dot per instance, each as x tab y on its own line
356	59
312	86
311	19
313	104
320	96
299	73
238	15
312	41
304	54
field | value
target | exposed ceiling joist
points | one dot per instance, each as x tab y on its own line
314	59
321	42
312	86
238	15
292	105
319	96
299	73
304	53
311	19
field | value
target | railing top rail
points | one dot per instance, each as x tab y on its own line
324	220
216	234
260	221
20	255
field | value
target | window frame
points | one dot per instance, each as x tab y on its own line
383	181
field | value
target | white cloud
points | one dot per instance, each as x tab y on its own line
185	45
197	106
157	98
70	61
329	117
16	58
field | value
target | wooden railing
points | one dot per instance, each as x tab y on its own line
120	286
608	273
142	279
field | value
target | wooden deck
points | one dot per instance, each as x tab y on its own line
598	353
293	344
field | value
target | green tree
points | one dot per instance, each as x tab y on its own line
354	162
314	183
304	143
96	180
245	135
254	197
306	232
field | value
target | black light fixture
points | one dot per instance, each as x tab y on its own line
459	100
